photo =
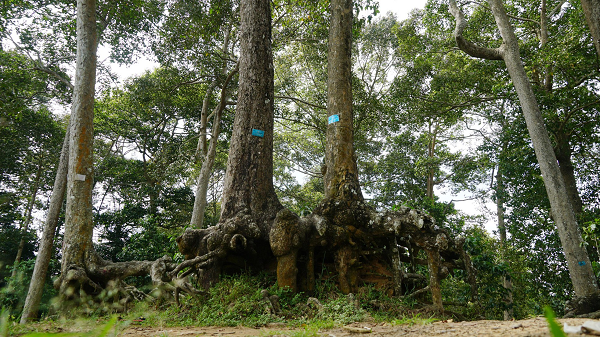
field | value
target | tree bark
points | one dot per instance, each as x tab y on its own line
77	244
567	170
506	280
580	270
248	184
341	177
434	266
34	294
591	9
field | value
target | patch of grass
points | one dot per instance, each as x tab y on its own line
414	320
341	311
237	300
309	331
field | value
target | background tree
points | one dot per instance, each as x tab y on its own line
582	276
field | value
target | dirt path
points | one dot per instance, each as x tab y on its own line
531	327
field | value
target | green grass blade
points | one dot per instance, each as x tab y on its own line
555	329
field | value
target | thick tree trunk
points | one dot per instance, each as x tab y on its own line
341	177
249	205
248	184
580	270
591	9
77	243
27	222
34	294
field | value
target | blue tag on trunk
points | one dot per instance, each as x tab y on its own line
258	133
333	118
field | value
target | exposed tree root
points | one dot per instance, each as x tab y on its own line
583	307
102	281
364	246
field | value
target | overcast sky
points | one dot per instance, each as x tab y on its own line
400	7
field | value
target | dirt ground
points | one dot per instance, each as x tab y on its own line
533	327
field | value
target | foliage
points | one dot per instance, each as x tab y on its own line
14	290
11	237
555	329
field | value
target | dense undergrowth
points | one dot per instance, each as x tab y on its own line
237	300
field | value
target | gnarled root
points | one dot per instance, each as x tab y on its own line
361	239
101	282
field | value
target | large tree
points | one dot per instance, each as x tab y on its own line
249	203
83	271
582	276
342	232
77	244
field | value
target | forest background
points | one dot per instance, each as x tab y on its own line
430	122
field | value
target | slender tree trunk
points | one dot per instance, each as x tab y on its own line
34	295
506	281
567	170
27	222
580	270
248	185
431	153
77	244
591	9
209	160
341	177
201	148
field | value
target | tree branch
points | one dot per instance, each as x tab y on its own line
467	46
301	101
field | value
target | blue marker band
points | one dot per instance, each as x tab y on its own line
582	263
333	119
258	133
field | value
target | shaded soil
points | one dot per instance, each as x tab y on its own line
533	327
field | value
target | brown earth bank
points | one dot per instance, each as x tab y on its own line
533	327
